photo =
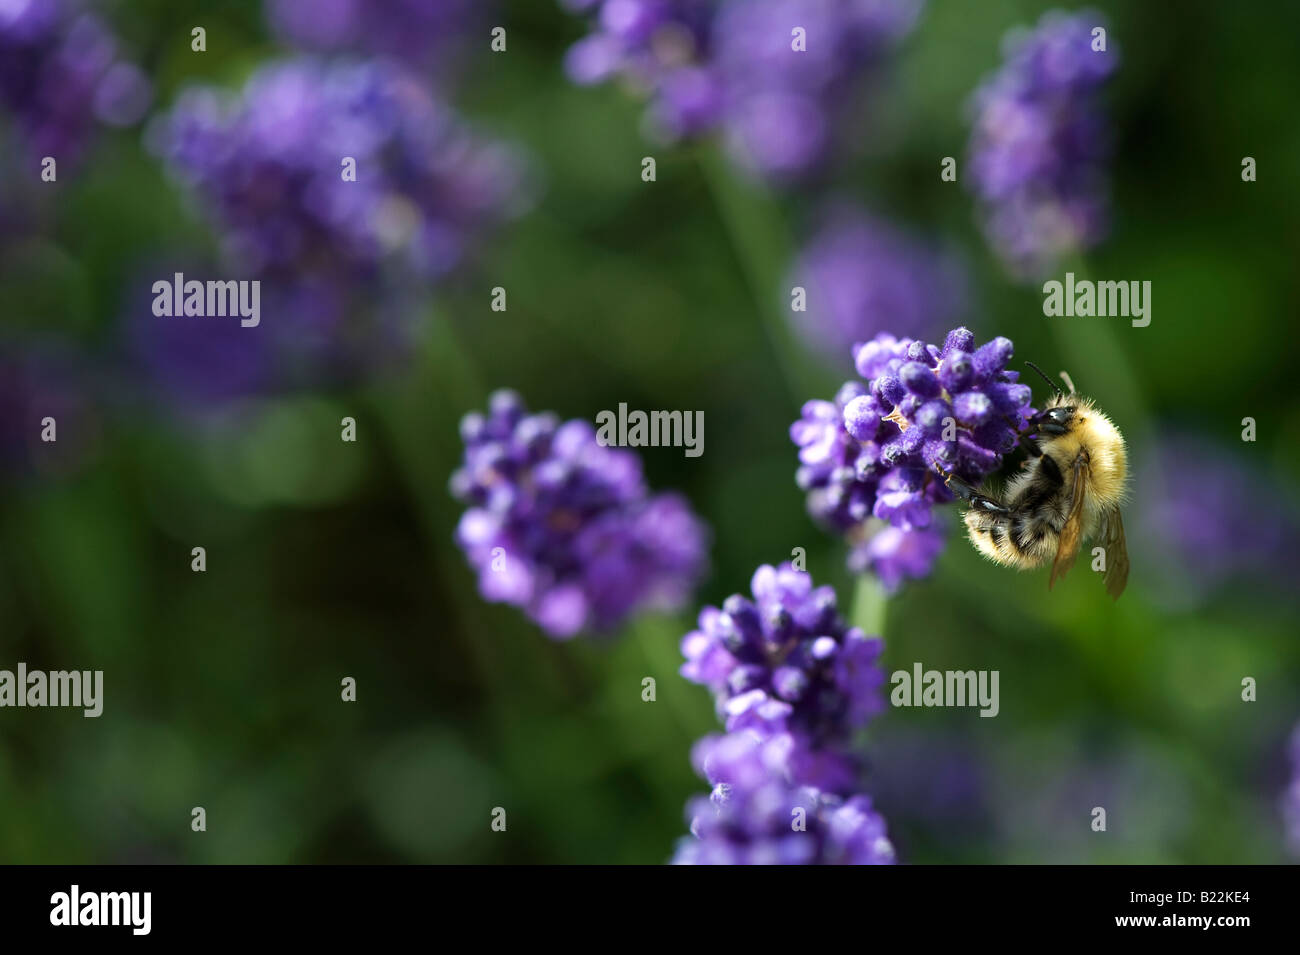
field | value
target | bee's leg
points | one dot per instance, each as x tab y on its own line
977	501
1024	440
989	524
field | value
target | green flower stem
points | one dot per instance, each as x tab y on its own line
870	605
655	641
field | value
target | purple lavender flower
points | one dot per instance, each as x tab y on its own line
269	166
731	66
786	661
1208	519
862	275
564	527
660	46
784	108
793	683
894	555
756	816
190	363
938	783
1039	144
421	33
884	449
1291	798
60	76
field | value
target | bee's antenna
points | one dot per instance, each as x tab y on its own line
1053	385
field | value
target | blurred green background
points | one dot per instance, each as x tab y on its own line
328	560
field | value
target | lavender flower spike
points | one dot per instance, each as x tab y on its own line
269	166
786	661
792	683
564	527
1039	143
61	76
739	68
659	46
789	109
348	189
755	816
886	448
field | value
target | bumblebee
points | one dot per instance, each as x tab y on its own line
1070	488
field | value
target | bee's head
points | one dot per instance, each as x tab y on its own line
1058	412
1057	415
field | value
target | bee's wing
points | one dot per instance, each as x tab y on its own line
1116	554
1067	547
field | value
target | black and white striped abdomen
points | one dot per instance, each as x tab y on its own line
1038	502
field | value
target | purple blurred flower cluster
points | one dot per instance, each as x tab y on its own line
883	449
1039	143
793	683
564	527
737	67
421	33
195	366
939	782
270	165
756	816
61	75
1291	798
862	275
1207	518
